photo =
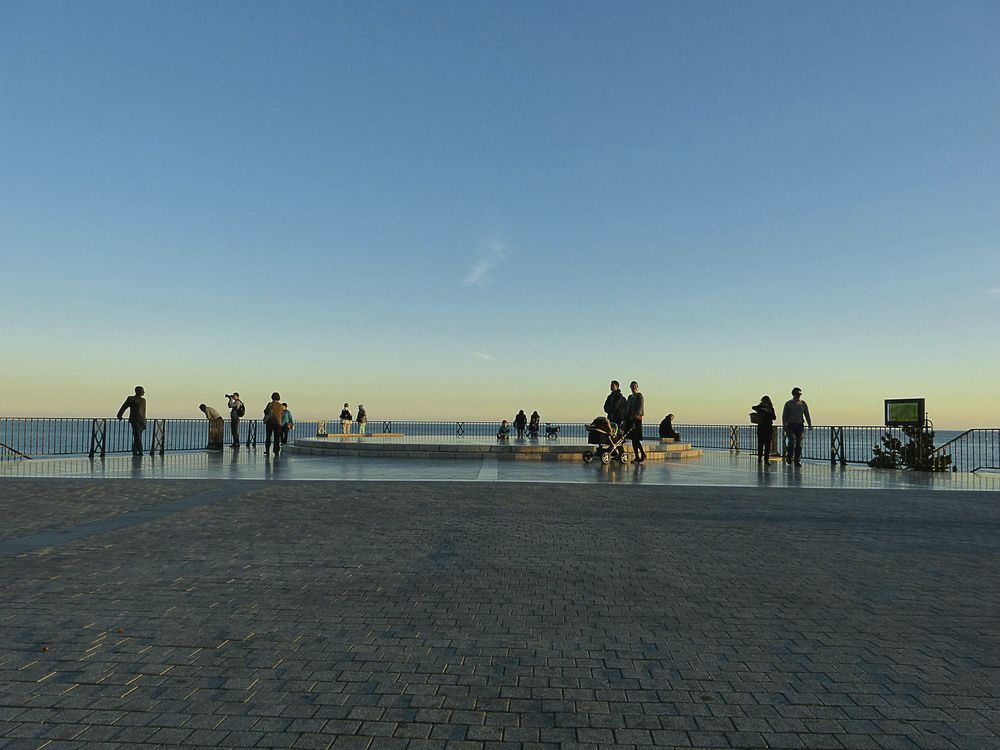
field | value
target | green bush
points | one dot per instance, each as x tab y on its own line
917	454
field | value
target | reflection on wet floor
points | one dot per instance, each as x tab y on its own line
714	468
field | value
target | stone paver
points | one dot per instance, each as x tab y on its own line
486	616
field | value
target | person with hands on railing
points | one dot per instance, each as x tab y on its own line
136	406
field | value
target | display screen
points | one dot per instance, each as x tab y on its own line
904	412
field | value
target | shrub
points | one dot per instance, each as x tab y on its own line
917	454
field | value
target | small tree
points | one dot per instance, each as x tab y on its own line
918	454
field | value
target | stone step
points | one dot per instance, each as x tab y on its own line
336	446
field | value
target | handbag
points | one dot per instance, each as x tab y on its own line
754	418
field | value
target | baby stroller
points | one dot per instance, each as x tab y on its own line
533	430
609	439
551	430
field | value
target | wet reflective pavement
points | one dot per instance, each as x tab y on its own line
714	468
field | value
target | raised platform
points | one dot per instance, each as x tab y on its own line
394	446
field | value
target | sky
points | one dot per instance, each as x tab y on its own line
455	210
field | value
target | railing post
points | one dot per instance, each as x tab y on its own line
98	437
386	426
216	429
460	429
837	446
159	437
321	429
734	438
252	434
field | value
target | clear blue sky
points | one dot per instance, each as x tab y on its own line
459	209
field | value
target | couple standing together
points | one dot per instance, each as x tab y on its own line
627	414
794	417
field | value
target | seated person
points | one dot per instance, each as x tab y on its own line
667	428
504	432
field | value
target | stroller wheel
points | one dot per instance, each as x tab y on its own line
605	458
624	457
588	457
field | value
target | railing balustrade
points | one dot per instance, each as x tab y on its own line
973	450
23	438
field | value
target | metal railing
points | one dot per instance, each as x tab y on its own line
973	450
22	438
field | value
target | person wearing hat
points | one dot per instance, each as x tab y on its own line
136	406
794	418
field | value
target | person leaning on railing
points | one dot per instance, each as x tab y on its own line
136	406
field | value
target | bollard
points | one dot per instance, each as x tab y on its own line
216	431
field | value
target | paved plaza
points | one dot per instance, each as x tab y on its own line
485	615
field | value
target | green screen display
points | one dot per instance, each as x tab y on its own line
904	411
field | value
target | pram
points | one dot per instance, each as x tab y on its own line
610	440
533	430
551	430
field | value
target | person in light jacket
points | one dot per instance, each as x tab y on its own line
794	418
635	411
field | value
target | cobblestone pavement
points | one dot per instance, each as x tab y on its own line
487	616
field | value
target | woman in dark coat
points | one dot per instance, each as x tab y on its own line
520	422
764	411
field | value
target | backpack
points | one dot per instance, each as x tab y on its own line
241	409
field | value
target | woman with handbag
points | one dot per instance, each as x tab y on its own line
763	416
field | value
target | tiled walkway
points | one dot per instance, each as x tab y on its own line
592	611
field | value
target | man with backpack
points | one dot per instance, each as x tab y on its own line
236	411
273	413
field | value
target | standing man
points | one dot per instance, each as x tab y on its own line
362	419
136	406
634	408
287	423
236	410
346	419
794	418
615	405
273	413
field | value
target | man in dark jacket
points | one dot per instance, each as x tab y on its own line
615	405
136	406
